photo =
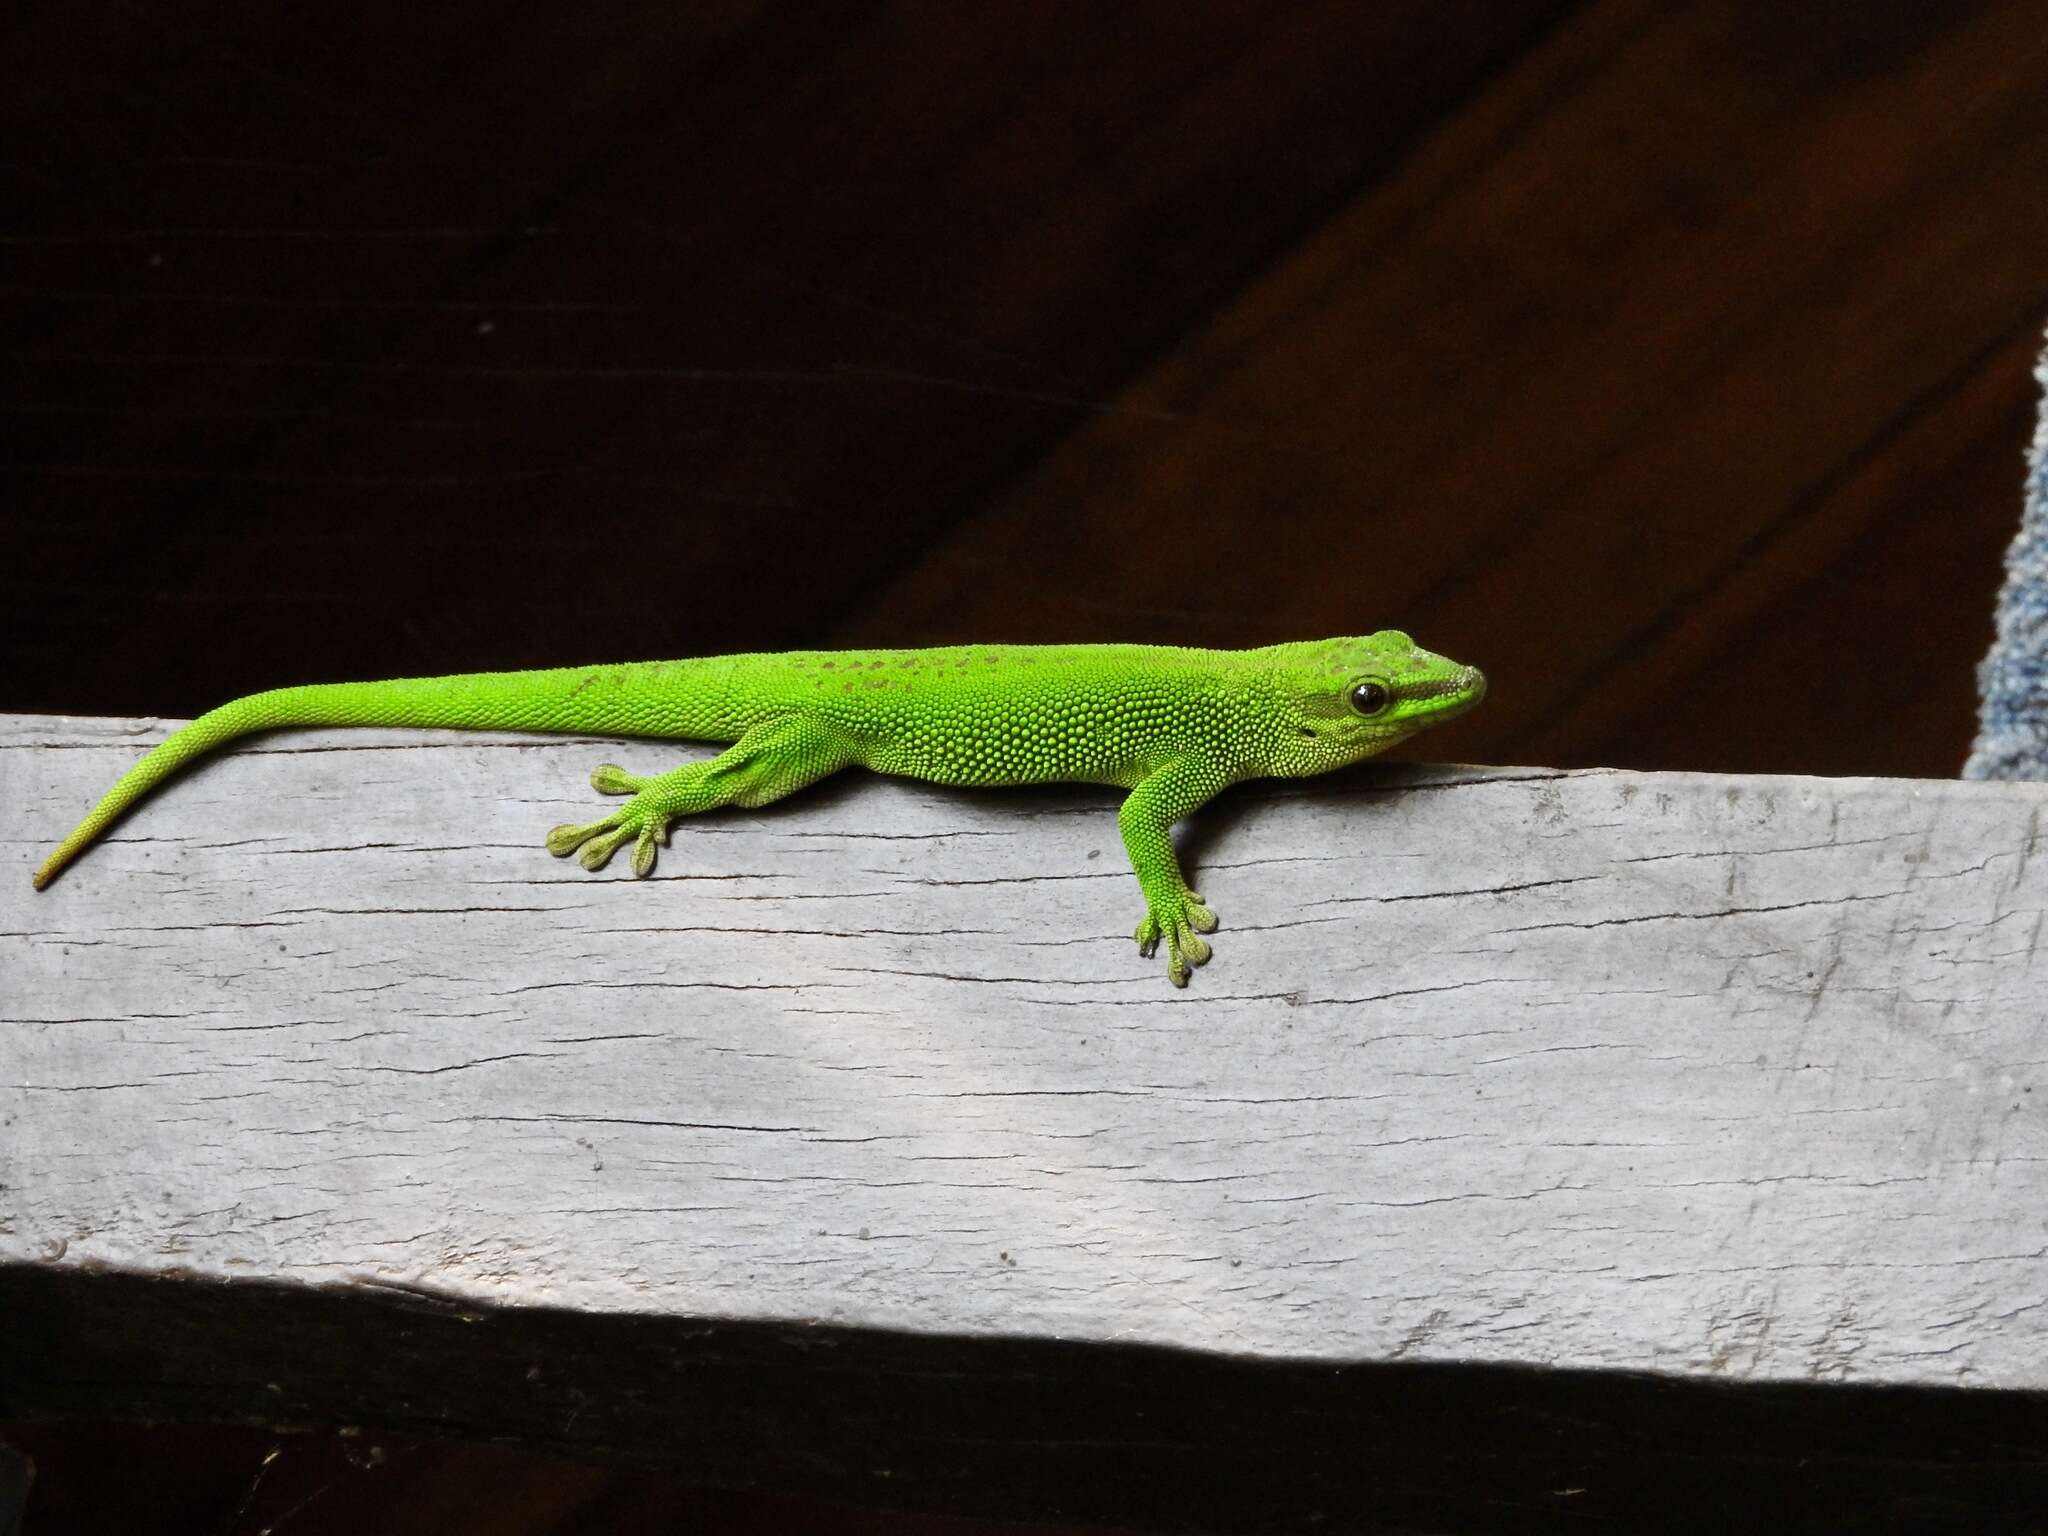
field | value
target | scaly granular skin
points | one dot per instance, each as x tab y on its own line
1170	725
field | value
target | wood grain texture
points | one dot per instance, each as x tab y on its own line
1708	1077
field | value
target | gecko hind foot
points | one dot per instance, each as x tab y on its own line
639	821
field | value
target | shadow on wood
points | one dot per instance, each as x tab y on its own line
1040	1428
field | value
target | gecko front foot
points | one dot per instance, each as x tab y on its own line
641	820
1181	922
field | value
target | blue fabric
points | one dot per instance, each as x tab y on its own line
2012	721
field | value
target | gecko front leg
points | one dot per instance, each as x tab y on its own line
1173	913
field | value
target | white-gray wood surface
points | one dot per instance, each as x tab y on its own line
1697	1075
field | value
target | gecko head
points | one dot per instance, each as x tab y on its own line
1345	699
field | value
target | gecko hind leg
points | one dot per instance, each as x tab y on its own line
772	759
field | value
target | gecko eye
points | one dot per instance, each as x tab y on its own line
1370	698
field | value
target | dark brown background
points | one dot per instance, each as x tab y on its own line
1668	360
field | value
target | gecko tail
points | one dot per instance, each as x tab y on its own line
239	717
674	700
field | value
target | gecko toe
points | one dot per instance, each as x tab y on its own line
653	831
599	850
611	779
566	839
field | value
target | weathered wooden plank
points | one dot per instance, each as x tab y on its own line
1654	1072
1722	1080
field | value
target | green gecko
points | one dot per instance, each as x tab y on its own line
1172	726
